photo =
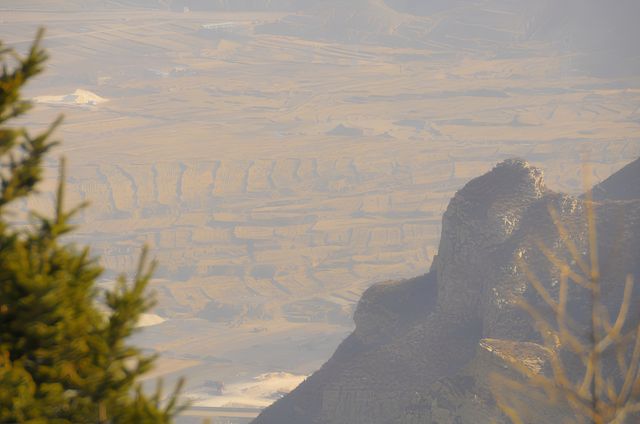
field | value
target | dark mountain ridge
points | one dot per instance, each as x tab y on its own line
422	348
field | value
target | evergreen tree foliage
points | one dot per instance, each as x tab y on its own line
63	359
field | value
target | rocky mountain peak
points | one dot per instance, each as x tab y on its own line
509	185
483	214
424	348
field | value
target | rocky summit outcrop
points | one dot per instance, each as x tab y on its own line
423	348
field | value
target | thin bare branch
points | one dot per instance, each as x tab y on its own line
621	319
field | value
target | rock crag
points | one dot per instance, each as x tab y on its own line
423	348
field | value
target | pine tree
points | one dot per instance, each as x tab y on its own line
63	359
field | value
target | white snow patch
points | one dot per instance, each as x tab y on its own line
260	392
147	320
79	97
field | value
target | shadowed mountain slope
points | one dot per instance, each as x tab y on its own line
623	185
423	348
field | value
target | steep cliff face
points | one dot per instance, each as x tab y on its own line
481	216
423	348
